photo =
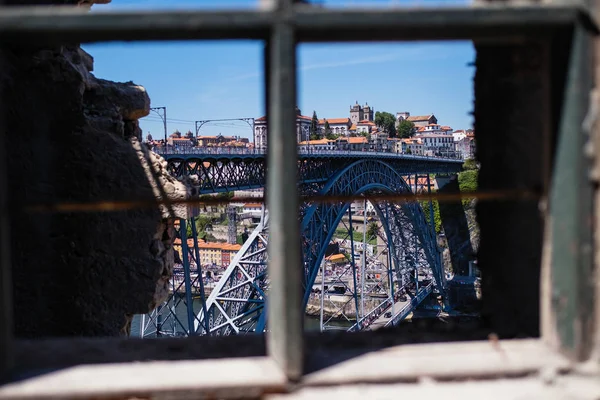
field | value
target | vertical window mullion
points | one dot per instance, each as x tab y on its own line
284	303
568	302
6	308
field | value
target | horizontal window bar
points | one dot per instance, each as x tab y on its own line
258	375
70	24
481	22
21	24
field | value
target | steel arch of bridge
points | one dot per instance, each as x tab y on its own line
238	302
320	220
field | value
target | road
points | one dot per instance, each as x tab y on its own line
401	308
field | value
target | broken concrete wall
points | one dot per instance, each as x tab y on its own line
72	138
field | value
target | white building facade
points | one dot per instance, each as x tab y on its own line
261	130
338	126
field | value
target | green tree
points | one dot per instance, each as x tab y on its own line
202	223
467	182
332	136
327	128
386	122
470	164
372	230
406	129
314	126
225	195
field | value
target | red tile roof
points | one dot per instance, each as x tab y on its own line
419	117
320	141
357	140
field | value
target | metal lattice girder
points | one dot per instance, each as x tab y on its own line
214	173
236	304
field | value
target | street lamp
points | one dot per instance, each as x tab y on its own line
163	116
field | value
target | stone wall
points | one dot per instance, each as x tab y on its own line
73	138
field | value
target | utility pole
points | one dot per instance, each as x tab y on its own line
162	113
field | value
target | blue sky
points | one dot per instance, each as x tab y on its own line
214	80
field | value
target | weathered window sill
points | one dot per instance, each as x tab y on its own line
258	376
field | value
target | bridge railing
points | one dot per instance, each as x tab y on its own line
371	316
226	151
415	301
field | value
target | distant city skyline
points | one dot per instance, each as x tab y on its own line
218	80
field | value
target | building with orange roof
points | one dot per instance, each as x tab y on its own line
411	146
321	144
252	209
417	120
358	143
436	129
219	254
366	126
438	144
338	126
422	120
336	259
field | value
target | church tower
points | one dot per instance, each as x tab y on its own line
356	113
368	112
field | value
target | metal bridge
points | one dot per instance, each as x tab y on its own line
377	293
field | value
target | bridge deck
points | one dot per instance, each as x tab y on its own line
400	309
238	153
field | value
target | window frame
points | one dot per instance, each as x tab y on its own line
282	25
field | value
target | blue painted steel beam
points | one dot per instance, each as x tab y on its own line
199	272
187	277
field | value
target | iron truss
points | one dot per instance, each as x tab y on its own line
237	304
177	315
214	173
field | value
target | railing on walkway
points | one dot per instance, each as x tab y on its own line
414	302
372	316
225	151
